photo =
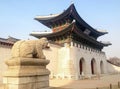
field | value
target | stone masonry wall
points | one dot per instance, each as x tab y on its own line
4	55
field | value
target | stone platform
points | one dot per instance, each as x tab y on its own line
26	73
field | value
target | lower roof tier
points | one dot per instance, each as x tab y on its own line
74	34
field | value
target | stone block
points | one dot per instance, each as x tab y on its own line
26	74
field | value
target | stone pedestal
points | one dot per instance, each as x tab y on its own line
26	73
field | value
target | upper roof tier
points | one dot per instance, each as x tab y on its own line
68	16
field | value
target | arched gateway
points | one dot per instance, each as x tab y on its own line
93	66
82	66
102	67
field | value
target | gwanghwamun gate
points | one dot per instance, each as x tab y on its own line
74	49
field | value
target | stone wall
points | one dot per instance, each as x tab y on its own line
65	61
52	55
79	53
112	69
4	55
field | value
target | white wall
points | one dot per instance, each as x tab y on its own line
4	55
112	69
64	61
52	55
78	53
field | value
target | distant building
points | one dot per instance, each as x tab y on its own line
74	50
5	49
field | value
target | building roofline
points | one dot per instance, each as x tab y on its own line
76	30
10	40
71	11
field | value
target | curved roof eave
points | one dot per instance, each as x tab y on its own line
81	21
106	43
52	34
48	17
66	30
70	11
51	18
77	31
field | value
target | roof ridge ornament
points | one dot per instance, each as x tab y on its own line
71	13
73	21
72	2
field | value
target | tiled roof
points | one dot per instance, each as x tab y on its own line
9	41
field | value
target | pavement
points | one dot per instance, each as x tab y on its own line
103	81
96	83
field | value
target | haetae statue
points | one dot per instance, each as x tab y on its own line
29	48
21	66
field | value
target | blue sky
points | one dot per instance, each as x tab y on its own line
17	18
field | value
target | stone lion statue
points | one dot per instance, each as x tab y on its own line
29	48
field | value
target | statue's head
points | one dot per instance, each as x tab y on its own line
44	42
